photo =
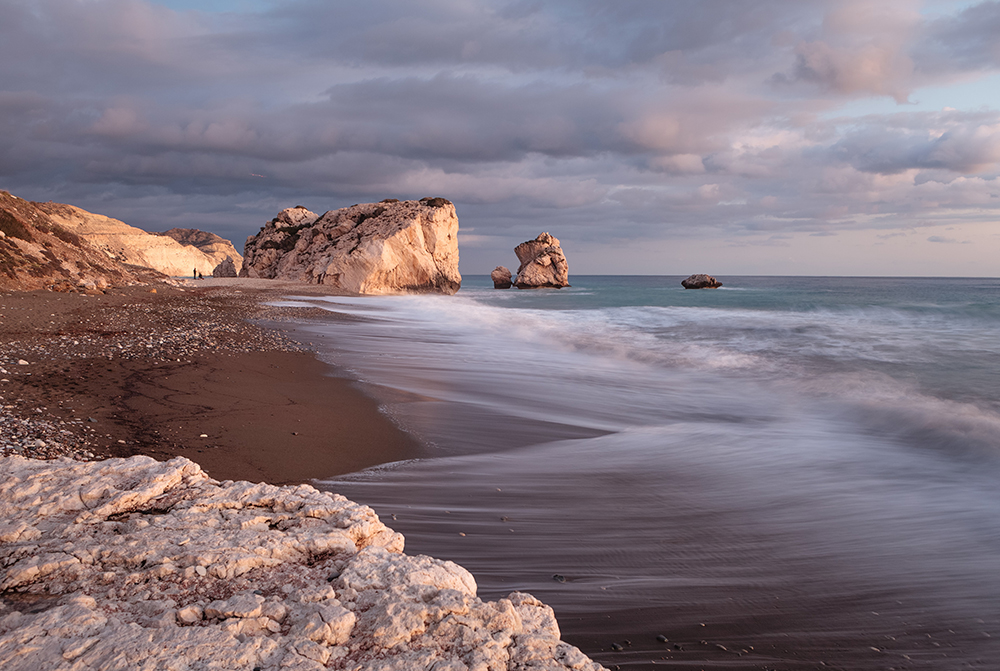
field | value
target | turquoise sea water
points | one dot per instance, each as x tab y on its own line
774	474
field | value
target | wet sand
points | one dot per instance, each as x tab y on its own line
187	373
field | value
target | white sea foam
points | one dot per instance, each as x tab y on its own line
834	454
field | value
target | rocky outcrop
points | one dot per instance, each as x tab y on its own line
375	248
128	244
501	278
543	264
36	252
701	281
216	248
133	563
226	269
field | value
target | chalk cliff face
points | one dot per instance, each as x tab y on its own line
375	248
133	563
129	244
37	252
216	248
543	263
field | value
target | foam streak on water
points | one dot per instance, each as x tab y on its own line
808	466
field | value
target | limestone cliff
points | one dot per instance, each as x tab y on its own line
129	244
374	248
37	252
132	563
216	248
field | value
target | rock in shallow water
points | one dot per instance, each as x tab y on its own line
701	281
543	263
133	563
501	277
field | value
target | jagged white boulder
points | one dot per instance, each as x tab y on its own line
543	264
374	248
134	563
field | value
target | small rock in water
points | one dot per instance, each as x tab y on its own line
559	578
617	647
662	639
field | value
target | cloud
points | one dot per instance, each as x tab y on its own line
961	143
966	41
860	47
638	120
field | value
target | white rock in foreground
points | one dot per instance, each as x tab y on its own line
138	564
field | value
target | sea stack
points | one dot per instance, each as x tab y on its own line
701	281
501	278
388	247
543	264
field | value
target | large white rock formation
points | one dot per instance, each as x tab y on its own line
375	248
128	244
136	564
543	263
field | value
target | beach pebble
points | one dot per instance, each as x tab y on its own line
617	647
662	639
22	362
559	578
189	615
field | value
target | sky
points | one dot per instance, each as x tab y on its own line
764	137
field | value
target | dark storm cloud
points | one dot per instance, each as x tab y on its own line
633	120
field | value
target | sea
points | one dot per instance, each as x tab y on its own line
782	473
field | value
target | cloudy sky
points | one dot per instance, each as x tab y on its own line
787	137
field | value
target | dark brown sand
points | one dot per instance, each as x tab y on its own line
234	397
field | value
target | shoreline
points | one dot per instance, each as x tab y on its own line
185	371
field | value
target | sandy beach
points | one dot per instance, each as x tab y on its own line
183	372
